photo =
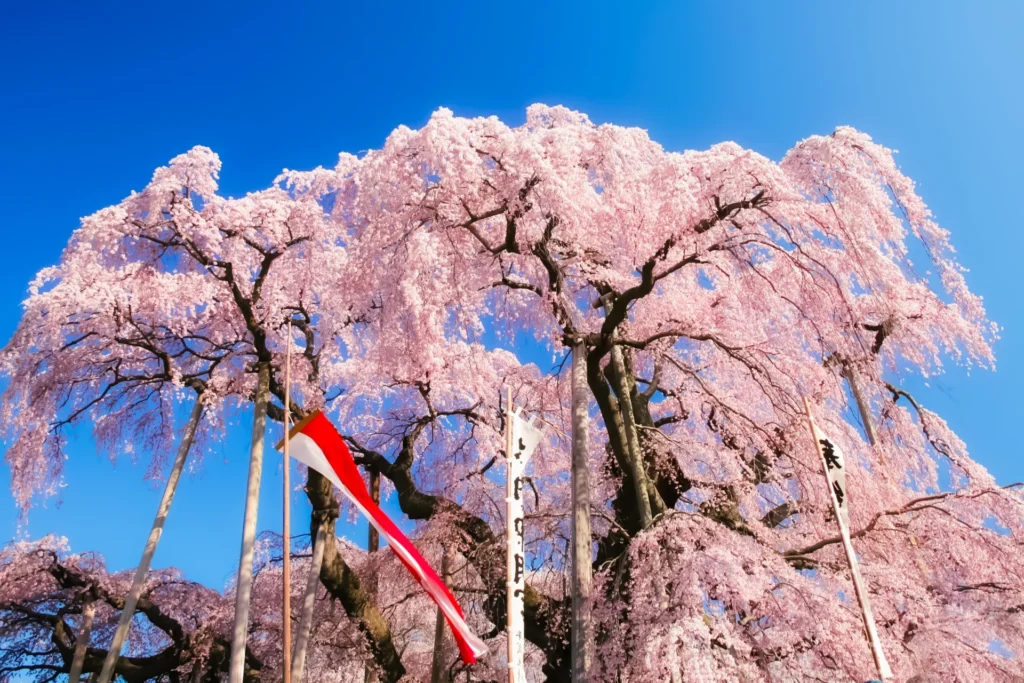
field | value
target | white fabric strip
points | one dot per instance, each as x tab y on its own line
525	438
835	467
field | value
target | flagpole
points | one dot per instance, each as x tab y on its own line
286	616
510	559
881	665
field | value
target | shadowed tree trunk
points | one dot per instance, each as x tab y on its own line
173	650
638	469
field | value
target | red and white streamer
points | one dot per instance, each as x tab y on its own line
316	443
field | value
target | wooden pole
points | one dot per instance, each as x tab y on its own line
869	427
582	557
286	602
243	586
308	603
142	571
438	670
850	373
82	641
373	545
373	542
510	569
881	664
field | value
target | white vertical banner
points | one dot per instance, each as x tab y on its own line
833	465
835	472
522	438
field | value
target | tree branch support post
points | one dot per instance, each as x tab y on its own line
850	373
582	557
142	571
243	586
308	603
438	670
82	641
373	540
373	545
862	405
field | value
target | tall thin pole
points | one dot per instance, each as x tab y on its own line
850	373
142	571
438	671
286	616
582	557
869	427
862	405
881	664
308	603
372	545
509	636
82	642
373	540
243	588
872	432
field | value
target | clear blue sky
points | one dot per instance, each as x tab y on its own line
92	99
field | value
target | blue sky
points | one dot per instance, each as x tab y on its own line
94	98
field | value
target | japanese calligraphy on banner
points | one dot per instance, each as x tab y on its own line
523	438
835	470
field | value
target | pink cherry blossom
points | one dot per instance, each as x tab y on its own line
714	290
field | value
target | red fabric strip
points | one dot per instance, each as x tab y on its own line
320	430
